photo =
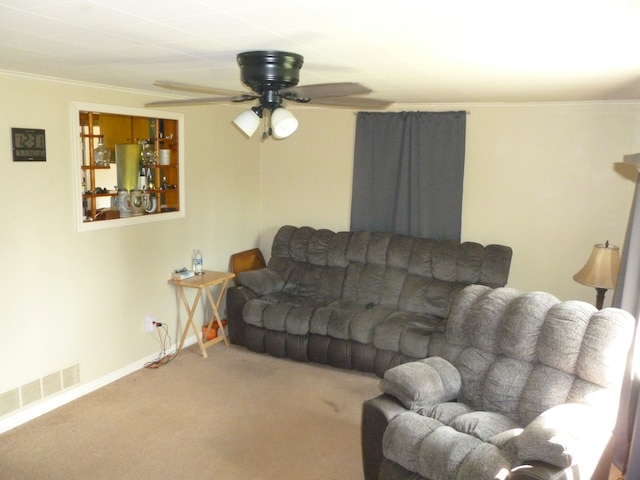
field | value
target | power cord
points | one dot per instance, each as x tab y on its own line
165	343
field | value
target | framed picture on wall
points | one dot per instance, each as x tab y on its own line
29	145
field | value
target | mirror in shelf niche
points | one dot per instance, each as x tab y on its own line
129	165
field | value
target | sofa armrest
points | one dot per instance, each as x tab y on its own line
540	471
236	299
376	414
565	435
262	281
544	471
422	383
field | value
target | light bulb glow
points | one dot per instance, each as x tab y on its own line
283	123
248	122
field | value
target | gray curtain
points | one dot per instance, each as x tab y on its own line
627	297
408	173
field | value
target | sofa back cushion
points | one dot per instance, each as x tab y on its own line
522	353
415	274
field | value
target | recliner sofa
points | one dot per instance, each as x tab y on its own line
520	386
358	300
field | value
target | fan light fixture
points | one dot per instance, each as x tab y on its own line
272	77
283	122
249	121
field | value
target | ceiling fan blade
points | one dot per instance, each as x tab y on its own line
196	101
188	87
318	90
352	102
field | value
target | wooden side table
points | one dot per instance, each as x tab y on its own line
204	283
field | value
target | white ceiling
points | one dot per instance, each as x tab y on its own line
408	51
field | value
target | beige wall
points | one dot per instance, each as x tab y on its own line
544	180
70	297
540	178
306	178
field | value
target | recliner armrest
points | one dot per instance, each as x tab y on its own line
422	383
376	414
544	471
565	435
539	471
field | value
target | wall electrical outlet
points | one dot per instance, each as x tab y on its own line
149	324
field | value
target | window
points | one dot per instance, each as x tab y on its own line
129	165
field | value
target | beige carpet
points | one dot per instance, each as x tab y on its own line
235	415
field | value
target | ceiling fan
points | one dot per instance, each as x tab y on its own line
273	77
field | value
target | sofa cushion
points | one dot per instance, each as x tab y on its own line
520	331
319	323
416	334
281	309
319	246
445	412
483	425
426	446
421	257
342	313
363	324
407	332
545	388
428	295
399	251
337	254
332	281
485	320
594	363
457	332
504	384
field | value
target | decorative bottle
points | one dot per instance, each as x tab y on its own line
148	154
197	263
142	178
101	155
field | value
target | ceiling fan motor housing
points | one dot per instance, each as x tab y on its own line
273	76
267	71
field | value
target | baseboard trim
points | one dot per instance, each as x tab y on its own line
30	412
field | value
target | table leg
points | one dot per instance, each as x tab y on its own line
191	310
215	316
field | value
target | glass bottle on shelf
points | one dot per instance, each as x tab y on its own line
101	155
148	155
142	177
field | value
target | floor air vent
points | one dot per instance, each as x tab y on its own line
38	389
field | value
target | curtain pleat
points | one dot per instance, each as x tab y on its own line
408	173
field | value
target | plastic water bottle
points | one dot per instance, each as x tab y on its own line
197	263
